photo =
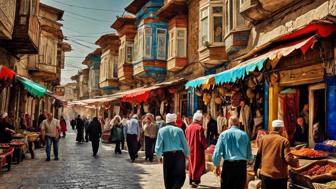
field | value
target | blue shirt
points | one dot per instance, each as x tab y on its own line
171	138
233	144
133	127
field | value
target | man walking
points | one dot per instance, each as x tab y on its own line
94	132
50	129
274	156
80	129
171	143
197	144
235	148
133	137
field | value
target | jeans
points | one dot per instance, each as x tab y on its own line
54	142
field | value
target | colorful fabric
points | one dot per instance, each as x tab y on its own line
6	73
33	88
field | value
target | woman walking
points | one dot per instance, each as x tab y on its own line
117	135
95	132
63	126
150	132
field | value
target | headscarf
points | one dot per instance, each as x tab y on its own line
116	119
197	116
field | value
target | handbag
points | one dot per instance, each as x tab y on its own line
116	134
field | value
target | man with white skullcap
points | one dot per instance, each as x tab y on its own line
273	157
6	129
133	137
197	144
172	145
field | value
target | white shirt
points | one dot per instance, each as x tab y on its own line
51	128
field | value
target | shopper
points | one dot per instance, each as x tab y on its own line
51	131
150	132
235	148
171	143
6	129
133	137
73	124
273	157
212	131
80	129
86	126
124	123
117	135
197	144
95	132
63	126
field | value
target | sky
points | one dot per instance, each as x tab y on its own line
84	21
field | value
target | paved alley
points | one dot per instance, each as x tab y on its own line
78	169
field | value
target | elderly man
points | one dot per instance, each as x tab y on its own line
133	137
50	129
274	156
235	148
6	129
197	144
172	144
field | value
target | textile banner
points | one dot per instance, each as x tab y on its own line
331	107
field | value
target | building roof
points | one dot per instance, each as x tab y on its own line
102	39
135	6
121	21
53	10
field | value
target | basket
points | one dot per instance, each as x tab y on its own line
307	181
322	186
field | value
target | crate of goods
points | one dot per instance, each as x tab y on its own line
321	171
328	185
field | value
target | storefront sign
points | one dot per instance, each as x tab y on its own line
304	75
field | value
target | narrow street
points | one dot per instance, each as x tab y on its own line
78	169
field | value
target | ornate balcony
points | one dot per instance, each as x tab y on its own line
38	68
7	18
26	34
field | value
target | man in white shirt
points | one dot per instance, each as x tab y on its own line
50	131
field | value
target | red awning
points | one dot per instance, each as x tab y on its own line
6	73
138	95
320	29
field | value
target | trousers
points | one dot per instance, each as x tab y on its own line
174	169
51	141
233	174
269	183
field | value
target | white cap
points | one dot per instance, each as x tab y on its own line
4	115
198	116
277	123
170	118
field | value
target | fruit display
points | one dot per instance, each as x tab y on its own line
17	143
309	153
331	184
320	170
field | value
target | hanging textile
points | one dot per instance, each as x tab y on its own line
331	107
33	88
6	73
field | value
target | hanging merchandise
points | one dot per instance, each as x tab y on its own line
6	73
206	98
218	100
198	92
33	88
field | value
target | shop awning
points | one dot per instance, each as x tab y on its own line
199	81
33	88
138	95
6	73
257	63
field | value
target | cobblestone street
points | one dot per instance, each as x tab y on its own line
78	169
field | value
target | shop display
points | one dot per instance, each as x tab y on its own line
309	153
331	184
330	143
209	152
320	169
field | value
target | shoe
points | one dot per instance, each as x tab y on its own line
132	160
48	159
194	186
56	159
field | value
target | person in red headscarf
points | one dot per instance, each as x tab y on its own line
179	123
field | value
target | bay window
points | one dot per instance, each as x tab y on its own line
161	44
148	42
233	18
121	56
129	51
177	46
113	66
212	24
138	45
